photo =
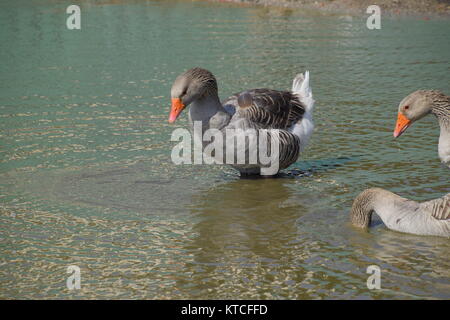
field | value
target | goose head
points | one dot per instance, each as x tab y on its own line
192	85
412	108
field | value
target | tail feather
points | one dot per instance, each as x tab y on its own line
304	128
300	86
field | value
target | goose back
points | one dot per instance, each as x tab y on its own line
267	109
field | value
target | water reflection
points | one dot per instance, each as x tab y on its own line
243	233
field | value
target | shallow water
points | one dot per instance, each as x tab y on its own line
86	176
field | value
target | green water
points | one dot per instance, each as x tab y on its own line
86	176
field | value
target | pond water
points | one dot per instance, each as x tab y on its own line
86	176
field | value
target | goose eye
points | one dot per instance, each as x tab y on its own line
406	107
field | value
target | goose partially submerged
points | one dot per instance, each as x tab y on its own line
420	103
427	218
289	113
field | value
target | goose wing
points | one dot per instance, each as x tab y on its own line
439	208
267	108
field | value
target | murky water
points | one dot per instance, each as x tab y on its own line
86	175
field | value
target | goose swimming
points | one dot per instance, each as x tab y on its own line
427	218
287	112
416	106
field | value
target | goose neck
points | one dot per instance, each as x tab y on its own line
204	108
441	109
362	208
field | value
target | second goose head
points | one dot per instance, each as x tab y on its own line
414	107
194	84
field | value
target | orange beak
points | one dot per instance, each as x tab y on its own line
402	124
177	107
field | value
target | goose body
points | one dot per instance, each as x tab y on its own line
430	218
288	113
421	103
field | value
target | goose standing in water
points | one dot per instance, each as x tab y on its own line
427	218
420	103
288	112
